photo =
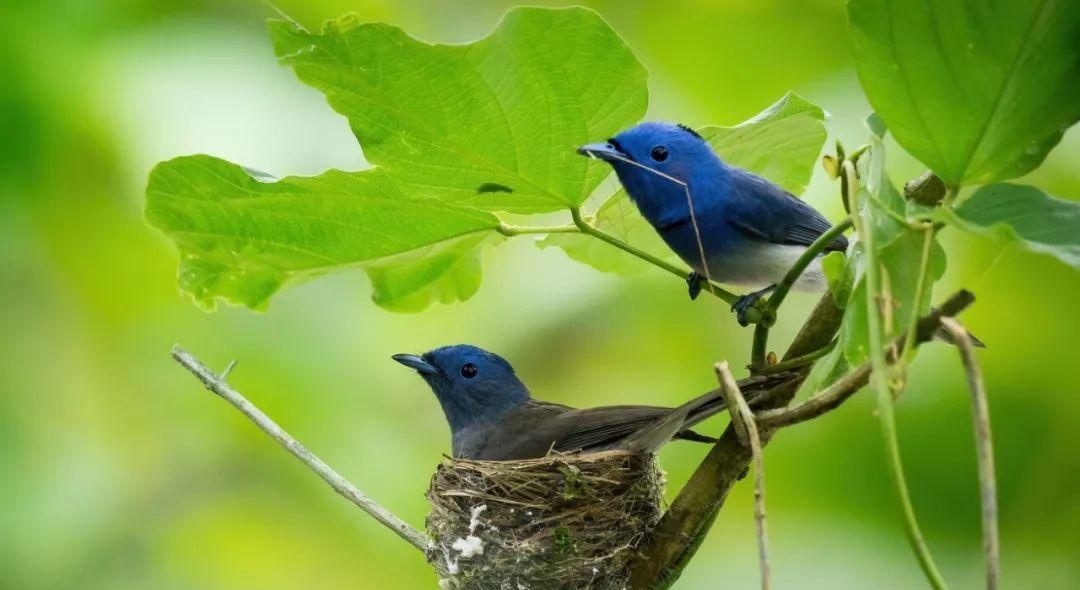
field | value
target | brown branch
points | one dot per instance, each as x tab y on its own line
818	404
980	416
680	532
834	395
746	427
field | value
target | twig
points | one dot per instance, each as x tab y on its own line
818	404
834	395
880	382
218	386
980	415
743	420
224	376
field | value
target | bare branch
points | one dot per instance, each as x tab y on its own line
743	420
980	415
818	404
342	486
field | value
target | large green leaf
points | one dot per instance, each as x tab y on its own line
491	124
242	236
1026	216
979	91
781	143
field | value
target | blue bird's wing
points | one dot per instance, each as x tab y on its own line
764	211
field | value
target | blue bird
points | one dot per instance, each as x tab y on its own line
493	417
751	230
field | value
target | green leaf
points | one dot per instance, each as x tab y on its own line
899	253
838	274
492	124
826	371
900	261
1026	216
241	237
443	272
781	143
978	91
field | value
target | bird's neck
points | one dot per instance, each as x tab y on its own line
463	412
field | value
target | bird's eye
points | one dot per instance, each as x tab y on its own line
469	370
659	153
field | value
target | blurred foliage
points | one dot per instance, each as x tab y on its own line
120	472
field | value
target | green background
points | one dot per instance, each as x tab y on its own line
119	472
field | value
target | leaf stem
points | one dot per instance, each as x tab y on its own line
920	286
879	382
520	230
587	228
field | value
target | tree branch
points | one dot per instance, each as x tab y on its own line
834	395
980	415
680	532
746	427
217	385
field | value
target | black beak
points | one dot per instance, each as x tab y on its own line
603	150
416	362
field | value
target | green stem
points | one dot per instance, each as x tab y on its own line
804	260
879	381
520	230
587	228
799	361
761	331
920	286
759	348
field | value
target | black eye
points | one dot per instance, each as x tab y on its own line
469	370
659	153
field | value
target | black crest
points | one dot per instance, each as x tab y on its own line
689	130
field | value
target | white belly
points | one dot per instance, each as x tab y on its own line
757	266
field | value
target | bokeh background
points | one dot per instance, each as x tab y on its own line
117	471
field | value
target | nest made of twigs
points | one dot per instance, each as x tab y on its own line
563	521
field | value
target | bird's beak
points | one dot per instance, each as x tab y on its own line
416	362
603	150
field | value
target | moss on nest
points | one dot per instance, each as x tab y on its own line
564	521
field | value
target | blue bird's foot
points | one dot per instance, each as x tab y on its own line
748	301
693	281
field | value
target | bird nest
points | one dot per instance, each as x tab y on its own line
563	521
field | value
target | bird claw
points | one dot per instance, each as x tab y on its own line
748	301
693	281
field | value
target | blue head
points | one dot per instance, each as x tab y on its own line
472	384
673	150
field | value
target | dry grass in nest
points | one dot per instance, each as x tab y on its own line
564	521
